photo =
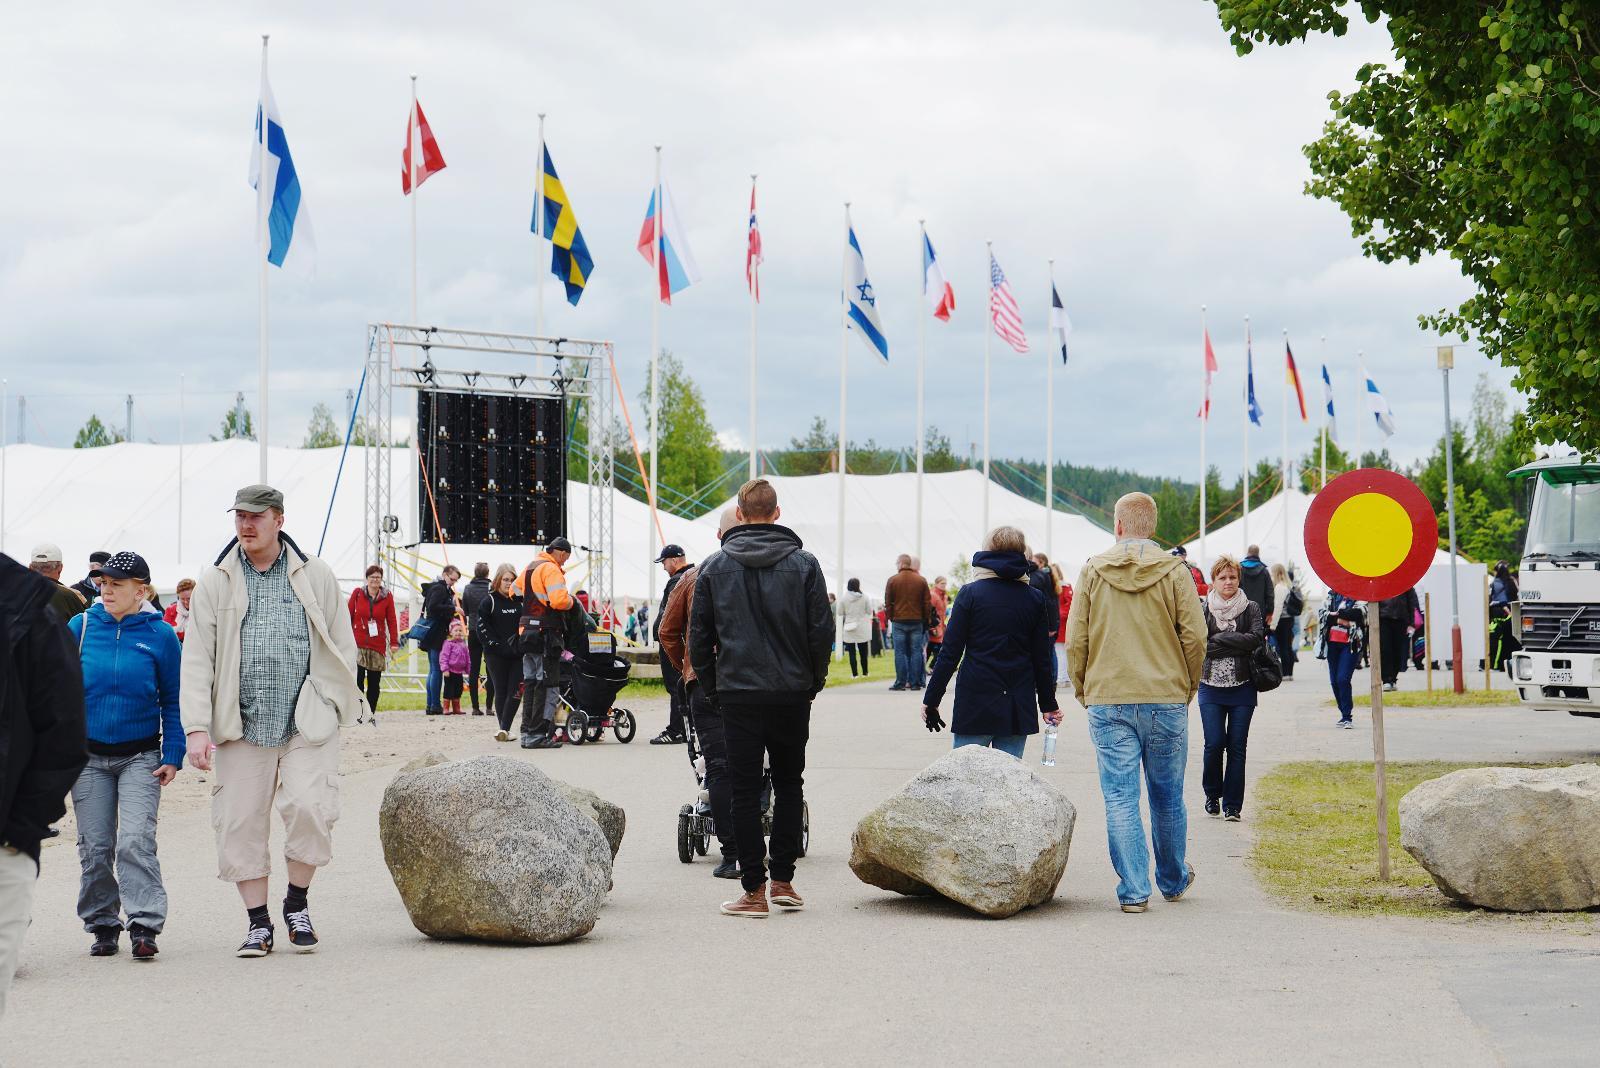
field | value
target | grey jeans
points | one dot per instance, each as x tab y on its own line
115	801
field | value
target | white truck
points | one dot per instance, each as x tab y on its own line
1558	668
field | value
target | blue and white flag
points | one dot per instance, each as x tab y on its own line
1327	398
288	226
1251	406
862	316
1060	325
1382	414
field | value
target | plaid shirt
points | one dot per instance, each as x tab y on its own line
274	654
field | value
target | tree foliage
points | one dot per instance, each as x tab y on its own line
687	458
236	426
1481	142
94	433
321	432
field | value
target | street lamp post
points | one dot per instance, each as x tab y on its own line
1447	360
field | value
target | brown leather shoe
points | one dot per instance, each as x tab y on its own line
751	904
783	894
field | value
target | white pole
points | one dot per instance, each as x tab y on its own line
655	358
1363	409
412	148
844	381
1283	479
538	222
922	360
1323	481
1249	380
1050	435
182	433
261	253
750	283
988	331
1205	418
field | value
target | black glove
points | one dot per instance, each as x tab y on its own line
931	718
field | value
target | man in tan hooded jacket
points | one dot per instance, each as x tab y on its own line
1136	640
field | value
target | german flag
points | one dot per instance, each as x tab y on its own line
1293	377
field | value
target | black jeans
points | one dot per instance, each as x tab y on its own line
1288	656
780	732
853	650
505	677
711	734
678	700
541	681
1392	635
369	681
1227	729
475	656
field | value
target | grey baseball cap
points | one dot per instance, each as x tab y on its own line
257	498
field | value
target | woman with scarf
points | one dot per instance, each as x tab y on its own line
377	631
1235	629
177	613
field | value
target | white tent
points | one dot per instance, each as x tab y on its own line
880	518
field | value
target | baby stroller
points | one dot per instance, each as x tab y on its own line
589	685
696	827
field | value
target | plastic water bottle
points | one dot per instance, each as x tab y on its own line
1049	759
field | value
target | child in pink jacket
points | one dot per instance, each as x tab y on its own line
455	663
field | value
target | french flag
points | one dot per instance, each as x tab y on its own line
675	268
941	298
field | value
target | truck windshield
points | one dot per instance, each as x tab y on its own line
1565	519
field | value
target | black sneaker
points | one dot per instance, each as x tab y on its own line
1231	815
539	741
106	941
728	869
258	943
302	936
144	942
1213	807
668	738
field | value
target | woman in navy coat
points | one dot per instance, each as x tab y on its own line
999	638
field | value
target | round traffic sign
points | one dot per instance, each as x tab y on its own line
1371	534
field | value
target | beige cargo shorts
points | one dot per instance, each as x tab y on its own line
299	779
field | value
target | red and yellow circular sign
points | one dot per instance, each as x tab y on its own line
1371	534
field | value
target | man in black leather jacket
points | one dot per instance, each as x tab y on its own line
760	633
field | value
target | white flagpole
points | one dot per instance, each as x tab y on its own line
988	331
1205	417
262	238
922	359
659	261
1364	409
751	285
1050	430
538	222
412	147
1283	479
1324	480
181	436
844	381
1249	380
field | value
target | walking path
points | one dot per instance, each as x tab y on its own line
1224	976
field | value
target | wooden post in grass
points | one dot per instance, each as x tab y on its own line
1375	654
1427	637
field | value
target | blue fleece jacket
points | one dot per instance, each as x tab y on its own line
130	679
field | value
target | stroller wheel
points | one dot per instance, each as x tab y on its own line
597	727
577	726
805	827
685	831
623	725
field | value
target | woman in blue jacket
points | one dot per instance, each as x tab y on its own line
136	745
998	634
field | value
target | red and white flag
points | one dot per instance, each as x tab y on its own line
752	253
1003	309
1211	369
935	290
432	158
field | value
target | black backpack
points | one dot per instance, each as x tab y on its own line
1294	604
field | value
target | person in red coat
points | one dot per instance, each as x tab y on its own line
1064	601
377	631
177	613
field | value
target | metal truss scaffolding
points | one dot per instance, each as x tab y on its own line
403	357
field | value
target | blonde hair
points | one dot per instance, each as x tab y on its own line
1006	540
1224	562
501	572
1279	574
1137	514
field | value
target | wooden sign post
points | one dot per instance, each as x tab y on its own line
1370	534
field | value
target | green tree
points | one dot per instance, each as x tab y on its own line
1484	533
687	457
1478	143
94	433
1311	464
235	426
320	432
937	454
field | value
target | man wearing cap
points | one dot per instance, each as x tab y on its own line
674	562
543	586
1200	583
67	601
87	587
268	679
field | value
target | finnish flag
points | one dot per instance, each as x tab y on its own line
288	237
1382	414
1327	397
862	316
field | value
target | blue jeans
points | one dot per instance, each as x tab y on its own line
1157	737
1341	669
1227	731
115	801
1006	743
909	667
435	681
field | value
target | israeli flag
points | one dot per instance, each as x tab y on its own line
1327	397
862	316
1382	414
288	239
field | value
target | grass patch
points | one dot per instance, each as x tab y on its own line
1316	847
1445	698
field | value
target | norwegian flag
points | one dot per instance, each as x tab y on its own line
432	158
1003	309
752	254
1211	369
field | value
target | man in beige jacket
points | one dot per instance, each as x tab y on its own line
268	679
1135	642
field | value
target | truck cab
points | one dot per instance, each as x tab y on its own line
1558	668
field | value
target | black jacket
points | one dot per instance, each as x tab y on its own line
439	605
41	710
666	595
1401	609
496	623
1256	582
1041	579
472	598
1241	643
761	628
86	587
997	634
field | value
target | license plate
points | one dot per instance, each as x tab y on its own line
1559	677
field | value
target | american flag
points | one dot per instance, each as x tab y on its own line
1003	309
752	255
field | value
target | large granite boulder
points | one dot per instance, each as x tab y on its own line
976	826
1518	839
491	849
612	820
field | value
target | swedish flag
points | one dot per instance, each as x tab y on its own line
569	255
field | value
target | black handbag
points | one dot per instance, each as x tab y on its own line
1266	673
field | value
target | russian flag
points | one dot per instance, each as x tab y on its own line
675	268
941	298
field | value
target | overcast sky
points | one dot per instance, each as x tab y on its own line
1126	141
